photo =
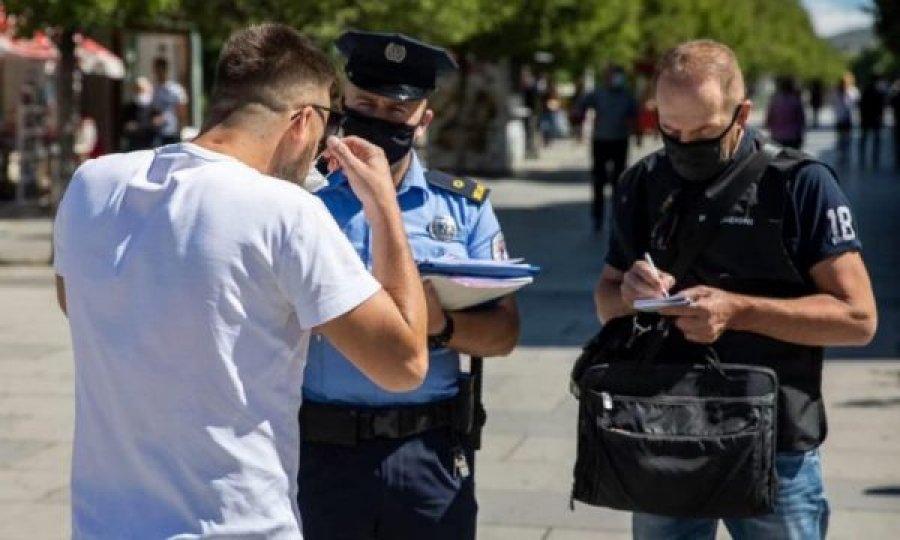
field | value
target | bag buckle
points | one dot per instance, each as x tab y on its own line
636	331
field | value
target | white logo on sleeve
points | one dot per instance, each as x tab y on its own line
841	222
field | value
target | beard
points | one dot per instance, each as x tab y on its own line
295	171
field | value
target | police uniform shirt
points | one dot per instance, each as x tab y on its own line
438	223
818	222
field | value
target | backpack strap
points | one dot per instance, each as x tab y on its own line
715	203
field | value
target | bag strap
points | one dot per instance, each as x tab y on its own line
717	200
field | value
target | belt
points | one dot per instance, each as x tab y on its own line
346	426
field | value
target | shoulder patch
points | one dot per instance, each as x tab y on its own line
466	187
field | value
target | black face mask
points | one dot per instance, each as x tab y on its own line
395	138
698	161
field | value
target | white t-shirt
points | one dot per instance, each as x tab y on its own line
192	284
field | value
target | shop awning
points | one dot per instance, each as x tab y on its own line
95	59
39	47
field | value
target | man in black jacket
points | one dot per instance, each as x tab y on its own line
782	278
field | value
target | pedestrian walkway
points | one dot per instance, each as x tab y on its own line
524	469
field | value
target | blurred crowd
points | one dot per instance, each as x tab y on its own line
620	106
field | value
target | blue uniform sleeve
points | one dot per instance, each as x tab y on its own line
485	239
824	221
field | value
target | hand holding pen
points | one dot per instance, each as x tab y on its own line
656	271
645	280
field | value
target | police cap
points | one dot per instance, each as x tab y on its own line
393	65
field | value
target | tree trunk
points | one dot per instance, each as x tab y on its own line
66	109
462	125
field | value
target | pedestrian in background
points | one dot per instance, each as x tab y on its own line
551	115
193	277
139	128
872	103
576	113
170	101
894	102
843	102
816	98
531	100
785	118
615	119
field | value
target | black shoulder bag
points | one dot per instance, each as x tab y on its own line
680	438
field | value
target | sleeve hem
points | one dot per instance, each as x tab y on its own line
342	303
829	253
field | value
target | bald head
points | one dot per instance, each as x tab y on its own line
695	63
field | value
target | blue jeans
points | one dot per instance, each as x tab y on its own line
801	510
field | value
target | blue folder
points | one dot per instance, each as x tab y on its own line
476	268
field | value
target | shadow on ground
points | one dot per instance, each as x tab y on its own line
883	491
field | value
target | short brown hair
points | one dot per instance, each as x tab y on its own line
267	65
695	61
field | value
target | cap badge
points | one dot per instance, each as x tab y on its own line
395	52
443	228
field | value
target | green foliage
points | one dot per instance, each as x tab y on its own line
85	14
887	24
578	33
769	36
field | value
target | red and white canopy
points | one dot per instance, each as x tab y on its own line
93	58
39	47
96	59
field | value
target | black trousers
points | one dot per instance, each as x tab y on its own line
402	489
873	133
609	159
897	140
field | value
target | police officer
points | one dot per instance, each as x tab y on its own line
782	279
400	466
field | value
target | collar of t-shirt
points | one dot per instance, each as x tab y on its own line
172	157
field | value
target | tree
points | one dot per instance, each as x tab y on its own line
768	36
65	18
887	24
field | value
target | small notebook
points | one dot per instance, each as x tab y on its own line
655	304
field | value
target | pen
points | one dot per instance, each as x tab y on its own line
649	260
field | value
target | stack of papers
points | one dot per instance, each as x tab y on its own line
477	268
463	283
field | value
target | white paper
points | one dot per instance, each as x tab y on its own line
462	292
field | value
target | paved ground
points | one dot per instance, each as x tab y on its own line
524	470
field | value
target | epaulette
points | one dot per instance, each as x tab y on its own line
467	187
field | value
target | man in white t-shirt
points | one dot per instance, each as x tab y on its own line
169	102
193	276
